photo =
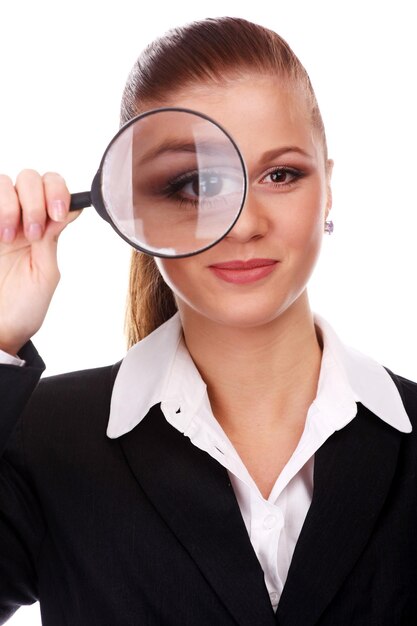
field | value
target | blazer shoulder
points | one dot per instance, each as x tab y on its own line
74	400
80	380
407	389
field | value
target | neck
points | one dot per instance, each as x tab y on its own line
259	379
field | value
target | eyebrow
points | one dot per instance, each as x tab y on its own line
276	152
179	145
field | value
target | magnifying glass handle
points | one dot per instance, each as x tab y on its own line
80	200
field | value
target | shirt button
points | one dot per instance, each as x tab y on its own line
274	597
270	521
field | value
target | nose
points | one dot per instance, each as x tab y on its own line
252	222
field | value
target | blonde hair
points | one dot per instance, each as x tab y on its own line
210	50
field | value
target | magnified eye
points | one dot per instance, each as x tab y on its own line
199	184
205	185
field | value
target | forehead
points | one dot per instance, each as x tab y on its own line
260	112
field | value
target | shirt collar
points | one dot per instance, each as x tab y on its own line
159	368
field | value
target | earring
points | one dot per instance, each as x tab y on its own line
328	227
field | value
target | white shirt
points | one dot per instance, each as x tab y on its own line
160	369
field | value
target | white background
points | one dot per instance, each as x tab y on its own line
63	66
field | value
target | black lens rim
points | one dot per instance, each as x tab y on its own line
96	186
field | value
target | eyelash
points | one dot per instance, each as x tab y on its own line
297	174
174	186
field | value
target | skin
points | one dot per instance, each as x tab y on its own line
33	213
255	344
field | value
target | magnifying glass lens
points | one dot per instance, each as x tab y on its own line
172	182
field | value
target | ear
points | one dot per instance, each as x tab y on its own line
329	171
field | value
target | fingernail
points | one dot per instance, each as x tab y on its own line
58	210
34	232
8	234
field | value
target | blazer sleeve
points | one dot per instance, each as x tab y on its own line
22	527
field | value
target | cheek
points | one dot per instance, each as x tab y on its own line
168	271
301	222
178	275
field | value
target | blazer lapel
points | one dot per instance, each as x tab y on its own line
194	496
352	476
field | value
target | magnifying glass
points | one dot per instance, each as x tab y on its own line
172	183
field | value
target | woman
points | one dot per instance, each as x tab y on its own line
241	465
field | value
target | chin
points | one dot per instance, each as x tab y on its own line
236	316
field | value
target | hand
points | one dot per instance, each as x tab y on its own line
33	213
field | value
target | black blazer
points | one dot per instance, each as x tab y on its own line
146	530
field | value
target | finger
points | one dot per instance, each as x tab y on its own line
44	252
9	210
29	187
57	196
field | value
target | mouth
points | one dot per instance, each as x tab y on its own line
244	265
241	272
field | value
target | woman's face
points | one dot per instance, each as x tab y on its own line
282	221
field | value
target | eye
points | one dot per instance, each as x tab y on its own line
283	176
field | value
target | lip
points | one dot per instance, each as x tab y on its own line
242	272
244	265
